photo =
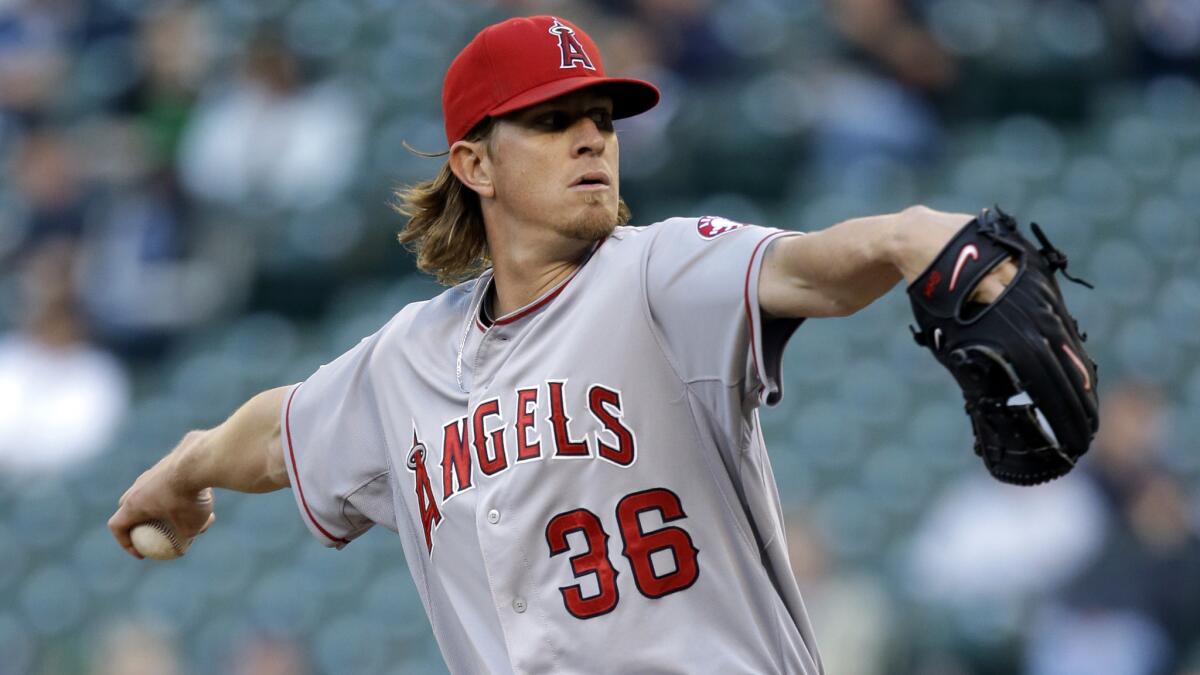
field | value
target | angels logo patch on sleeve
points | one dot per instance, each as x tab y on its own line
711	227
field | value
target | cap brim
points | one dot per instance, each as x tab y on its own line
630	96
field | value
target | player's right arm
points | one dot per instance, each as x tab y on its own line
843	268
244	453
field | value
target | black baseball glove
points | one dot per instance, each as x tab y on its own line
1030	387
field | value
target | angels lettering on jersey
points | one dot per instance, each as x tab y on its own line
538	423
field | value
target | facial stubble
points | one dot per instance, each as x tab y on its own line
597	220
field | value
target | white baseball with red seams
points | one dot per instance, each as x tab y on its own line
582	485
157	541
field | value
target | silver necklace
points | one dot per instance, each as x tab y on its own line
462	344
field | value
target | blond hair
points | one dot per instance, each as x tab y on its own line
445	222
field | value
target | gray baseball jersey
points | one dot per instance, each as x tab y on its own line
582	485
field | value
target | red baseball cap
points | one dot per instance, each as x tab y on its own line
525	61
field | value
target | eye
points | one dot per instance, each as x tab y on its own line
603	118
556	120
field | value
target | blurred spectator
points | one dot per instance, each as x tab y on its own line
850	612
61	399
1133	609
33	55
983	553
1126	451
149	273
174	48
151	267
268	139
985	546
890	37
135	648
685	37
878	98
50	189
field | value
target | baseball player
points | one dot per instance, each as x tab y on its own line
566	443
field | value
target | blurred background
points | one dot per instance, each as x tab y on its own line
194	206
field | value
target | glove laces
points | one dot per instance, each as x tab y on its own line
1054	257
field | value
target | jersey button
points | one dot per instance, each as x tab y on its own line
493	516
519	606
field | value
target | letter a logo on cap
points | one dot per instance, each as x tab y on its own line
572	52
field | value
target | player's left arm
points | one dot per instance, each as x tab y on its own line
842	269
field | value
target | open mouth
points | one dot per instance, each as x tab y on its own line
591	180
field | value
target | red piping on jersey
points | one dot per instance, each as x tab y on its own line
287	427
537	305
542	303
746	298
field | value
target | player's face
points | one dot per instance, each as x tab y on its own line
556	163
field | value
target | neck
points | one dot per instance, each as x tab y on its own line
526	263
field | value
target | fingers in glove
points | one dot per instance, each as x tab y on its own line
993	284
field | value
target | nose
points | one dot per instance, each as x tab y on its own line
589	139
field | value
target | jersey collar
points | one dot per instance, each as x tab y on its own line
487	281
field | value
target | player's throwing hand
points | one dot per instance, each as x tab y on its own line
243	453
160	494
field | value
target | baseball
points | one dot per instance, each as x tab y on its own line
157	541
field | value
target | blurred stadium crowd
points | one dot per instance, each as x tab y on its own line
194	206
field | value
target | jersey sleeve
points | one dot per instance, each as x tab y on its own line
701	284
334	448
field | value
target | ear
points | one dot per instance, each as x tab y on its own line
470	163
